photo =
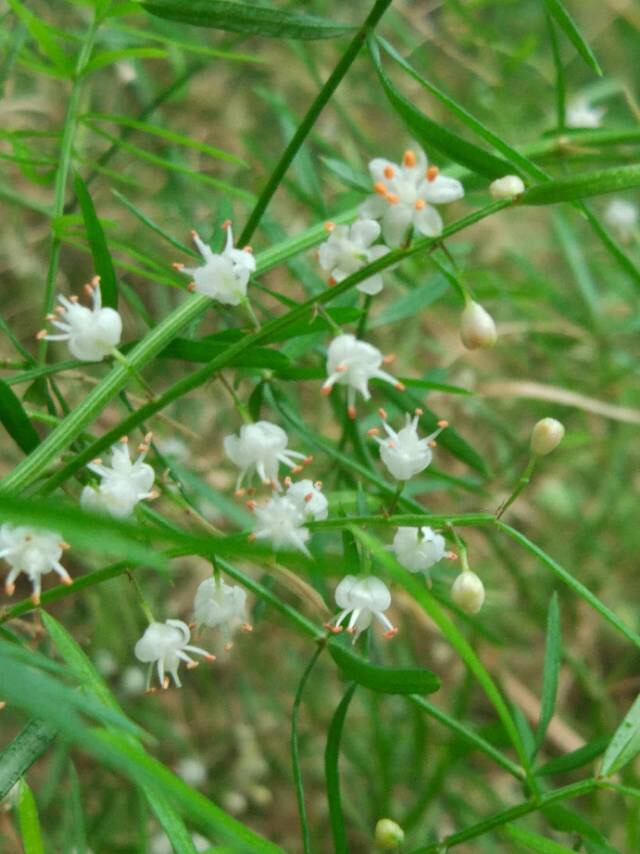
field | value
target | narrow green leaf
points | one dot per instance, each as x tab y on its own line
552	658
16	421
20	754
383	680
105	58
575	759
568	820
625	744
566	23
203	350
582	185
332	774
43	35
534	842
98	243
434	136
29	821
246	18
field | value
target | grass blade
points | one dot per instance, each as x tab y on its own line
16	421
568	26
583	185
29	821
625	744
98	243
332	774
552	658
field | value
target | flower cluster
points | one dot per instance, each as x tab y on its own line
123	483
282	519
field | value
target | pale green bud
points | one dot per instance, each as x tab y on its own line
546	436
477	328
389	834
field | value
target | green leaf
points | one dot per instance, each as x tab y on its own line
332	774
383	680
582	185
204	351
98	243
29	821
625	744
575	759
20	754
432	135
16	421
246	18
566	23
552	658
534	842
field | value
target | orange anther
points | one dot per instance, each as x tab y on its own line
177	266
432	173
391	633
351	412
392	198
409	159
419	411
400	386
251	505
382	413
329	226
442	424
420	204
389	172
331	281
308	497
191	287
380	188
226	223
374	431
248	249
388	360
326	389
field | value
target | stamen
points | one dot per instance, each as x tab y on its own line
451	556
391	633
35	598
246	627
400	386
248	249
409	159
389	360
296	469
191	665
442	424
318	484
308	497
240	493
389	172
383	414
41	335
251	505
329	226
191	287
326	390
331	281
166	683
342	368
380	188
432	173
420	204
226	224
374	431
335	630
433	444
177	265
351	412
228	646
392	198
251	538
419	412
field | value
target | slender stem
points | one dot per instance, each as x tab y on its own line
62	173
524	480
146	608
362	323
295	755
396	497
239	405
305	126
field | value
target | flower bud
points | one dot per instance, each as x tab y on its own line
546	436
468	592
477	329
509	187
389	834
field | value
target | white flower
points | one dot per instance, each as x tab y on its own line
34	552
124	483
349	249
581	114
221	605
477	327
167	645
468	592
546	436
418	549
508	187
308	498
261	447
224	276
404	453
622	217
361	599
405	196
353	363
281	521
92	333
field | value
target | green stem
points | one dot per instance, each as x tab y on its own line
62	173
524	480
362	323
305	126
295	754
396	497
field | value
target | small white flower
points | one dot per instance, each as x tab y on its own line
477	327
404	453
221	605
546	436
167	644
468	592
124	483
622	217
405	196
508	187
353	363
361	599
91	333
308	498
348	249
261	447
34	552
224	276
418	549
581	114
281	521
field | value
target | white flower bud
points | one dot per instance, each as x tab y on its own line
546	436
509	187
468	592
389	834
477	328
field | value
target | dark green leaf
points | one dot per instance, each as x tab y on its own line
204	351
434	136
625	744
571	31
383	680
98	243
552	658
534	842
576	759
332	774
582	185
246	18
16	421
20	754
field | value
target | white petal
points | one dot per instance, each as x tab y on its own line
428	222
364	232
395	222
373	208
377	167
441	190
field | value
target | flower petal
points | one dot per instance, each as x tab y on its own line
441	190
373	208
428	222
395	222
364	232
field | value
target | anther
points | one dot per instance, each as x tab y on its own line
296	469
35	598
308	497
191	287
226	224
351	412
251	538
451	556
326	390
391	633
420	204
382	413
307	460
246	627
287	481
208	657
432	173
442	423
374	431
389	172
248	249
340	369
419	411
228	646
329	226
165	683
191	665
318	484
380	188
251	505
42	334
392	198
409	159
194	234
331	281
433	444
389	359
400	386
177	265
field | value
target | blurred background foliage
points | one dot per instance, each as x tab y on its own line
181	127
